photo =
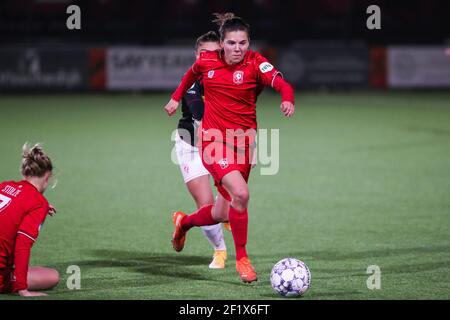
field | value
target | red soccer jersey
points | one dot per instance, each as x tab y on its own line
231	91
23	209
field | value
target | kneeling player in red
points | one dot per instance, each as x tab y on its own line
23	210
233	77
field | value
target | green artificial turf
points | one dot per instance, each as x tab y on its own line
364	179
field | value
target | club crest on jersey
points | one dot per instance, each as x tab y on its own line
238	77
223	163
210	74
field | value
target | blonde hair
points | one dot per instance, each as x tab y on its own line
35	163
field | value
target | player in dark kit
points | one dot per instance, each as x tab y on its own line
23	210
232	78
195	176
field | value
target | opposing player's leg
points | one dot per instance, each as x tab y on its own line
200	189
41	278
219	212
214	234
235	184
220	208
197	181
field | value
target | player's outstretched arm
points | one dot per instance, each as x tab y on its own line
287	96
188	80
171	107
287	108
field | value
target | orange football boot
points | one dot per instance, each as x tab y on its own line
227	226
245	270
179	235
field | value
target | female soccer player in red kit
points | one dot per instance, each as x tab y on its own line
23	210
233	77
195	176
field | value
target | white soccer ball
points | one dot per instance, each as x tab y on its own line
290	277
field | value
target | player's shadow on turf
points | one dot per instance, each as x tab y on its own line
148	263
169	266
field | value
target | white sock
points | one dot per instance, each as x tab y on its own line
214	234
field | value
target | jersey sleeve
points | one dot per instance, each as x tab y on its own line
194	101
269	76
265	70
206	61
33	220
188	80
284	88
22	252
26	236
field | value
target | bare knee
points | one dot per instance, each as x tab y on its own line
53	277
220	209
201	200
241	197
41	278
219	213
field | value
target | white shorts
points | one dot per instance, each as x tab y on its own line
191	165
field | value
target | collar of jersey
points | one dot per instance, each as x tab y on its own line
243	62
30	184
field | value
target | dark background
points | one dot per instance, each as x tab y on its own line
277	22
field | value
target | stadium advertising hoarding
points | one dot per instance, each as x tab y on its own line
43	68
136	68
314	65
418	67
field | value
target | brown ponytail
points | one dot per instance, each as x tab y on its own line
229	22
35	163
222	17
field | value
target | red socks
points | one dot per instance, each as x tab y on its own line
238	222
201	217
239	227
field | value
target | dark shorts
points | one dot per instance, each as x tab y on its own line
5	280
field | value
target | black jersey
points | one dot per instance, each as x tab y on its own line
192	107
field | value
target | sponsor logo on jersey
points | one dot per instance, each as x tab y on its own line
210	74
238	77
223	163
265	67
191	89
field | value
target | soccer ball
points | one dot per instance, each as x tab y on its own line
290	277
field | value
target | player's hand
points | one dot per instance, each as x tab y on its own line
51	210
171	107
26	293
287	108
